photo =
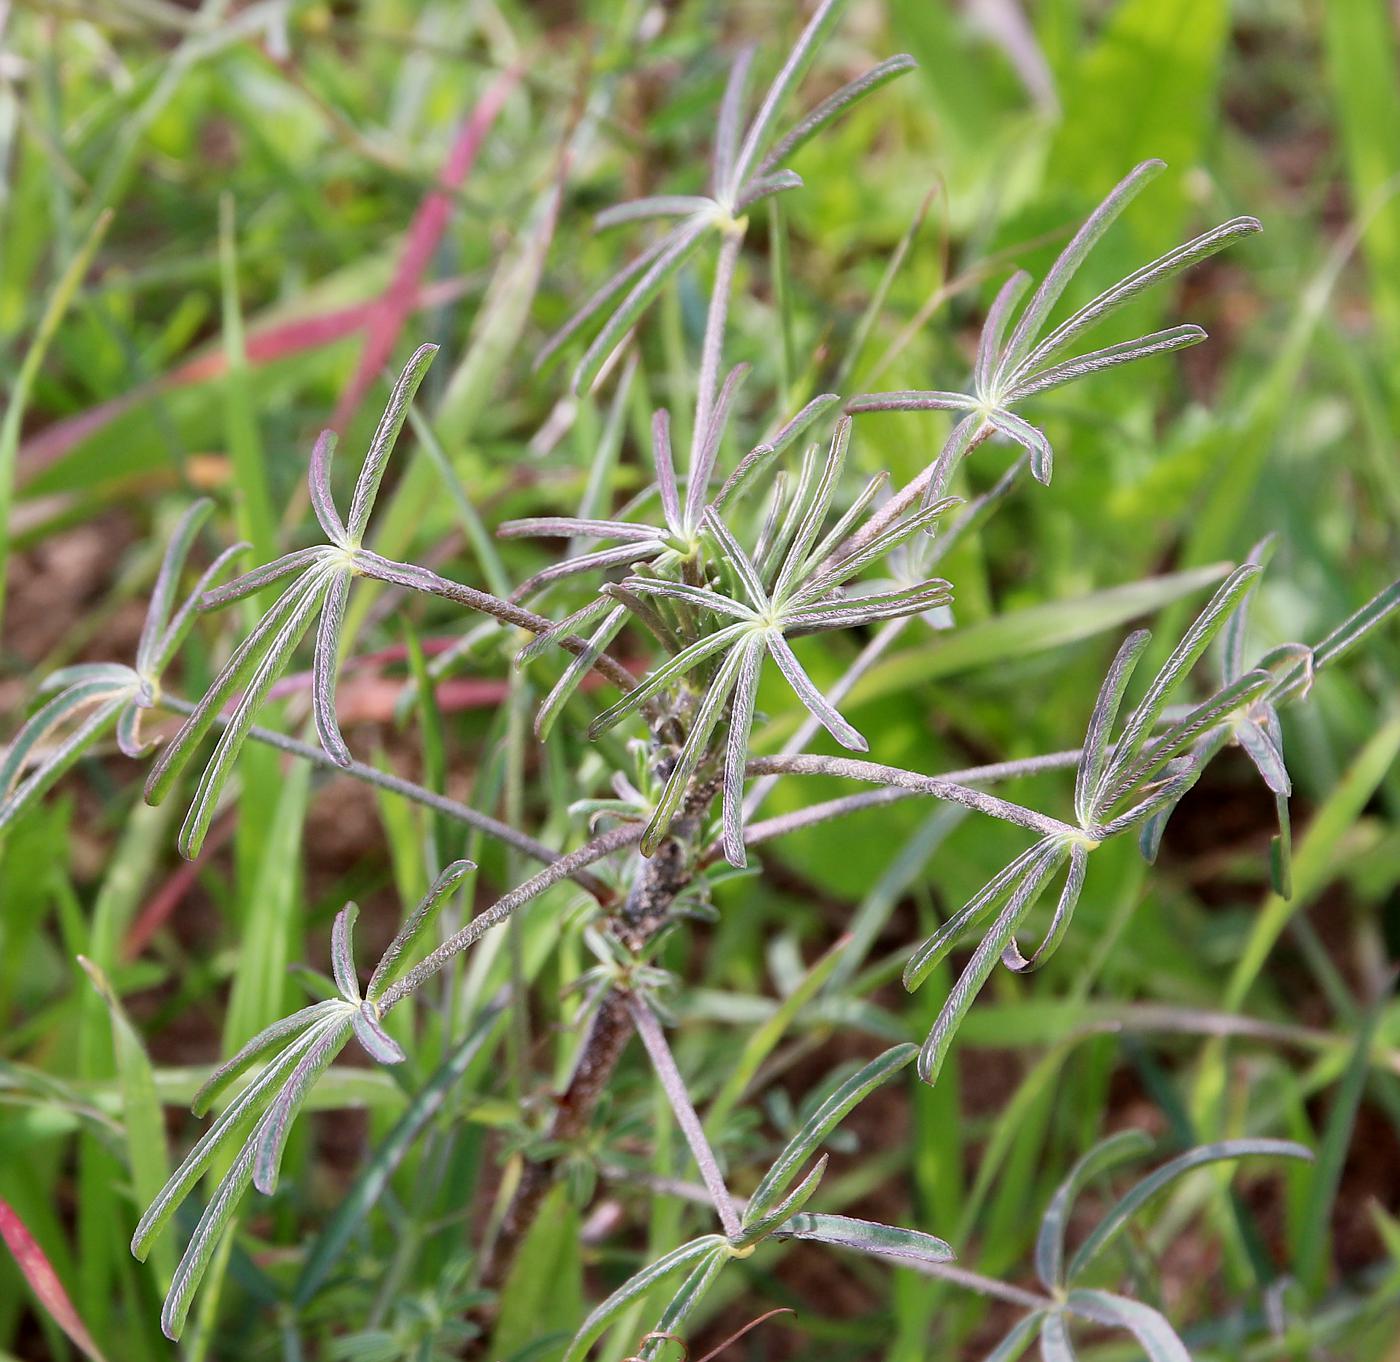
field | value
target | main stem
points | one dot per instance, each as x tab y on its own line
645	911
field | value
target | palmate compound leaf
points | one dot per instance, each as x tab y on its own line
1122	784
1245	710
107	695
1011	368
294	1051
792	586
321	582
746	169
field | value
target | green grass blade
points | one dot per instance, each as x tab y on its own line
11	425
1116	1218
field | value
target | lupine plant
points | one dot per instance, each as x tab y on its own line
715	569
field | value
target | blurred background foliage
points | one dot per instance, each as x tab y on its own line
261	164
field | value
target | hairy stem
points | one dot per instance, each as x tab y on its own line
712	348
598	1055
935	786
416	578
645	911
907	495
783	824
372	775
498	912
649	1029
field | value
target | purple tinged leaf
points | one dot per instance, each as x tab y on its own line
875	548
377	1043
343	953
656	206
598	299
816	703
382	445
276	1125
572	527
758	458
832	1111
756	1228
1123	292
707	715
793	69
991	896
834	105
1089	775
1050	1243
168	580
318	480
1012	958
960	440
910	399
325	666
579	667
1057	278
259	577
60	758
1124	352
1017	1339
678	248
666	674
1054	1338
407	936
702	597
737	752
551	637
984	959
841	530
274	661
1183	657
727	126
1148	1326
638	1285
1261	739
184	618
129	740
1355	627
866	1237
989	345
764	187
817	508
697	489
665	465
1116	1218
1030	438
197	1163
744	567
92	689
177	752
266	1039
1177	776
622	555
